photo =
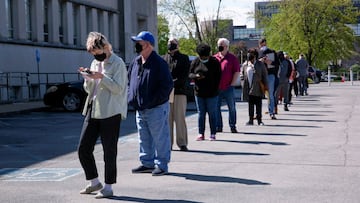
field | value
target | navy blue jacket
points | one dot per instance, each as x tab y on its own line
150	84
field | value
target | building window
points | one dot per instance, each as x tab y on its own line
62	20
9	18
88	20
28	23
100	21
111	27
76	23
46	20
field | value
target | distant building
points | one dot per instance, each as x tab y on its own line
265	9
225	28
49	36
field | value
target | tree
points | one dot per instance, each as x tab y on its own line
316	28
188	46
187	14
163	34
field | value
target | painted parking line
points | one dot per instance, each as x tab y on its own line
38	174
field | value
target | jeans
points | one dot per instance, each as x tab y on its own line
206	105
229	97
271	86
154	136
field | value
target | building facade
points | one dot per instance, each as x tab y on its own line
43	41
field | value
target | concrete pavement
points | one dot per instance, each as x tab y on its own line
309	154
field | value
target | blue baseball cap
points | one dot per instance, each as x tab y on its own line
145	36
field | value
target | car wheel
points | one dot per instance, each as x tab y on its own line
71	101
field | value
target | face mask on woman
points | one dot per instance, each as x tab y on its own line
100	57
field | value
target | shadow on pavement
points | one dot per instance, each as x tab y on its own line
255	142
272	134
228	153
136	199
222	179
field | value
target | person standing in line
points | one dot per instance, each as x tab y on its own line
284	75
269	57
106	104
292	78
205	70
179	66
255	81
150	84
302	67
230	72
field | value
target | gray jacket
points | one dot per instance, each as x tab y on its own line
260	75
302	66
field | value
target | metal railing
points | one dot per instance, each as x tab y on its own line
27	86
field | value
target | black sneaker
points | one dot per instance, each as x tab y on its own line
286	108
249	123
142	169
158	172
273	117
233	130
183	148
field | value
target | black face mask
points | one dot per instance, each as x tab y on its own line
172	47
221	48
100	57
138	48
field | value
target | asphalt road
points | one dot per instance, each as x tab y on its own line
310	154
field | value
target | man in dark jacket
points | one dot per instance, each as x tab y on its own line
285	70
150	84
179	65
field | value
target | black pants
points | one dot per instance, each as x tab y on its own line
293	85
108	130
255	101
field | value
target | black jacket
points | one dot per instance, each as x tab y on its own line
179	65
208	85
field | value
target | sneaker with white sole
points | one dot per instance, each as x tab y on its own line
89	189
104	193
212	137
200	137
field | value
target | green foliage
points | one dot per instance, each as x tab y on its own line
355	67
316	28
188	46
163	34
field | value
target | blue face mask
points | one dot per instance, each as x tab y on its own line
204	61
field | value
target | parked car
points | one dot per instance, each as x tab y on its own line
69	95
314	74
333	77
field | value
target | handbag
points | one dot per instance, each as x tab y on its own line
262	87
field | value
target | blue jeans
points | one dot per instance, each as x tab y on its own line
154	136
206	105
271	86
229	97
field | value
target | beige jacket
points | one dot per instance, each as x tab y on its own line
111	95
